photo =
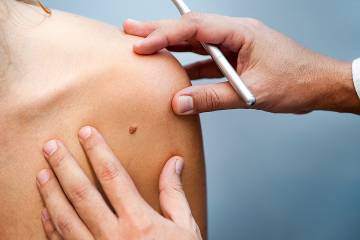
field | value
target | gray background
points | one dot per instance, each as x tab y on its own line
273	176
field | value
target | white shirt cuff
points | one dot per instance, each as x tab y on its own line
356	75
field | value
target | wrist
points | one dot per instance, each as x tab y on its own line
335	89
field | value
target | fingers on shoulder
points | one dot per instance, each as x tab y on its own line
208	98
162	34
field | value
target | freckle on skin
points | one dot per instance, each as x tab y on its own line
132	129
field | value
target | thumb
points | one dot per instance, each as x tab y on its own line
173	202
206	98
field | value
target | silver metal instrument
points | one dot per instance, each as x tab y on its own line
225	67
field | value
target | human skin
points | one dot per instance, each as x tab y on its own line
284	76
63	72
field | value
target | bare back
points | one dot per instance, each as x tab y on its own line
65	72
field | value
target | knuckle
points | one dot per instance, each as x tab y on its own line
53	235
58	157
92	142
140	222
176	188
210	99
254	22
79	192
47	189
193	17
172	189
250	38
109	171
196	229
194	226
63	225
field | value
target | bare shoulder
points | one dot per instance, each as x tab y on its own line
69	71
65	51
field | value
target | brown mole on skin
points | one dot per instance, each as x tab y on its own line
132	129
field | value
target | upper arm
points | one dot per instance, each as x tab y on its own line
140	97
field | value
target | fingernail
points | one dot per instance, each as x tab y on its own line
179	166
45	215
132	21
43	176
85	132
186	104
50	147
138	43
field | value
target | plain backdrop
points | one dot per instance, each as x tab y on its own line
273	176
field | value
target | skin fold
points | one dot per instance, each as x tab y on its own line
62	72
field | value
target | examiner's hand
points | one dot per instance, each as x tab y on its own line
284	76
76	210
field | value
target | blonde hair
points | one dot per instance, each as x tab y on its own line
37	3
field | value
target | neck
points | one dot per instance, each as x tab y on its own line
17	20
